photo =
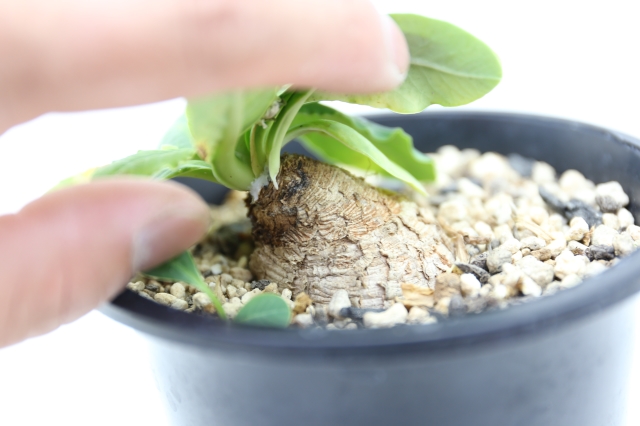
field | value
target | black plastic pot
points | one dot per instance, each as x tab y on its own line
560	360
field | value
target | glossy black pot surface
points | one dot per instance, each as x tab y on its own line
560	360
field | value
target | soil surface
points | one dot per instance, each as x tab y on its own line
516	231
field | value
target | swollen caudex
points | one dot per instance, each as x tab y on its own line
324	230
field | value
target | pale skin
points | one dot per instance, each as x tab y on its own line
72	250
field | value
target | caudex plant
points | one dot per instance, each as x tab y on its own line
316	227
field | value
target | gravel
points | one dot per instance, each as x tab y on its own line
519	231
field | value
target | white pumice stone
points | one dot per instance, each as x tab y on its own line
232	291
470	189
577	228
500	207
303	320
449	160
443	305
165	298
500	292
538	214
339	300
611	220
516	257
201	300
529	287
511	244
569	264
625	218
571	181
485	290
538	271
180	304
136	286
484	230
511	275
453	211
543	173
418	315
286	294
232	307
469	285
592	269
216	269
588	195
503	233
611	197
250	295
496	258
490	166
555	223
570	281
396	314
576	247
634	231
623	244
271	288
225	279
241	292
178	290
603	236
533	243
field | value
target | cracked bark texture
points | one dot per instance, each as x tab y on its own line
323	230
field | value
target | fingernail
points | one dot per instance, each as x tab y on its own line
167	234
397	49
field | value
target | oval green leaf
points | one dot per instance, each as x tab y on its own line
147	163
358	143
265	310
449	67
183	268
394	143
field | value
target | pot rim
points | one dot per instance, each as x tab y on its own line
593	295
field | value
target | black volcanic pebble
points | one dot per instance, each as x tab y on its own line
574	208
522	165
554	202
480	260
452	187
480	274
357	313
600	253
260	284
578	208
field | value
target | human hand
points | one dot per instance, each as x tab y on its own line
73	249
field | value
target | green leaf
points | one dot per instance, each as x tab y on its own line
275	138
178	135
394	143
183	268
449	67
218	123
356	142
265	310
194	169
147	163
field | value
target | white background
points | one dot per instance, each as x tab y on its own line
573	59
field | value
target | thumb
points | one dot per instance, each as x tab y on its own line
76	248
80	55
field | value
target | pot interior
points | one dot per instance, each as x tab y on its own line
601	155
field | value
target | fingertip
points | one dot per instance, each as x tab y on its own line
397	51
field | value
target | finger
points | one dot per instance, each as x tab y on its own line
71	250
76	54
